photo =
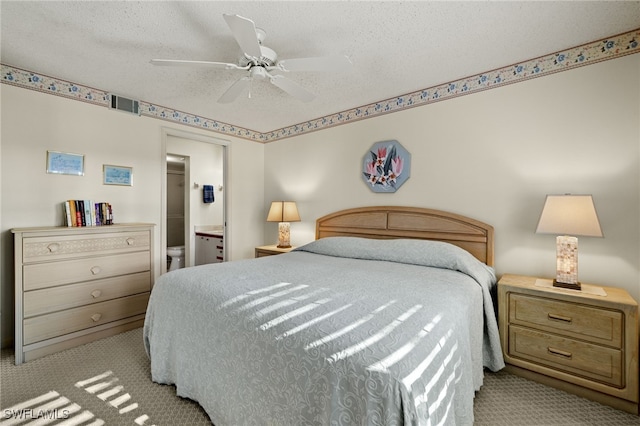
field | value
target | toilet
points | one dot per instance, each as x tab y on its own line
177	257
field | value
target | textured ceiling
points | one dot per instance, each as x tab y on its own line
396	47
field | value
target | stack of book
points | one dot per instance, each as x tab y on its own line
87	213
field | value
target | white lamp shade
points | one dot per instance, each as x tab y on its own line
283	211
569	215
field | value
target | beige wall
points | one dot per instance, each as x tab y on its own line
491	155
494	156
33	123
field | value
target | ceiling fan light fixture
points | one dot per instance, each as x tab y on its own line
258	72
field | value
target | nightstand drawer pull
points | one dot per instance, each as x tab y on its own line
556	317
96	317
558	352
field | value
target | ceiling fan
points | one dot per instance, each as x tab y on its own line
261	63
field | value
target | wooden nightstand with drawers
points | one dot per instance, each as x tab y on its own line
271	250
584	342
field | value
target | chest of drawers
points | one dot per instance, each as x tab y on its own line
74	285
584	342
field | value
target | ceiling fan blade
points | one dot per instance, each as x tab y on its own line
178	62
235	90
325	63
244	31
292	88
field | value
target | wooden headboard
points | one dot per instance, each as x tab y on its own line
410	222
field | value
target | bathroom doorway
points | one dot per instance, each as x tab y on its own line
177	201
194	190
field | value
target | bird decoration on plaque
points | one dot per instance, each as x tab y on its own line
386	166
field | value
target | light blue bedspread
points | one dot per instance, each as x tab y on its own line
342	331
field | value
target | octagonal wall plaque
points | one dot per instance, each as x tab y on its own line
386	166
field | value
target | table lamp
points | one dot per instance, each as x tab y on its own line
568	216
283	212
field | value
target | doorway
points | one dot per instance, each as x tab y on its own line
192	163
176	207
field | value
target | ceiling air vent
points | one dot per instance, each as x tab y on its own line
125	104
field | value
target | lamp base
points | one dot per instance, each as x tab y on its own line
284	232
571	286
567	262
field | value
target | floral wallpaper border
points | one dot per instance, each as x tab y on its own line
597	51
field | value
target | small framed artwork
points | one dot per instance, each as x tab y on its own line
117	175
386	166
65	163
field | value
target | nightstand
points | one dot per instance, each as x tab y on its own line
271	250
584	342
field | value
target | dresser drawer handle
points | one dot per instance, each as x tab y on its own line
130	241
558	352
96	317
96	293
561	318
96	270
53	247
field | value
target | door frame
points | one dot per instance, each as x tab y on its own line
225	144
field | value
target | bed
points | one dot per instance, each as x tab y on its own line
386	318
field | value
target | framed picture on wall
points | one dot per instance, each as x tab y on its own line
386	166
65	163
117	175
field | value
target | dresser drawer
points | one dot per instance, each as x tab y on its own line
573	356
37	249
43	275
59	323
261	253
596	325
44	301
